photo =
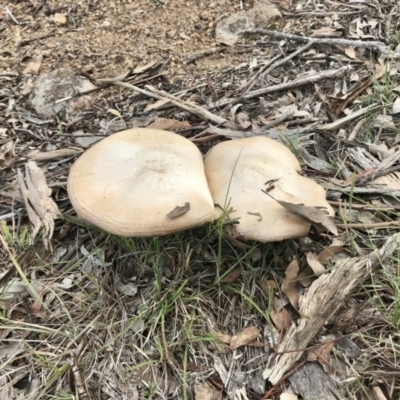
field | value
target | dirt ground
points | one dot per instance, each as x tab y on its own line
105	39
204	314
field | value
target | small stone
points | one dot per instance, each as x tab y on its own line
60	19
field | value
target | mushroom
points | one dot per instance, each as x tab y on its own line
141	182
238	170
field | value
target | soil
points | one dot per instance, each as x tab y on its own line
108	38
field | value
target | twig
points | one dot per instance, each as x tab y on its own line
365	207
27	41
320	13
278	120
192	108
342	42
205	53
328	74
266	70
356	129
369	226
342	121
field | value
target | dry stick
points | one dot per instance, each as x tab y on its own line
342	42
247	86
205	53
330	73
365	207
322	299
356	129
192	108
266	70
278	120
321	13
369	226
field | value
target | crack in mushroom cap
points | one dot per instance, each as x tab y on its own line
128	183
238	170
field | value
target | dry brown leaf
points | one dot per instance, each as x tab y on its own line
167	124
322	354
328	253
305	277
222	337
33	67
36	155
244	337
157	104
316	215
315	265
350	52
281	319
179	211
232	275
143	68
267	286
326	31
7	154
290	284
203	391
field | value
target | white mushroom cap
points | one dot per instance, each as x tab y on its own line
238	170
141	182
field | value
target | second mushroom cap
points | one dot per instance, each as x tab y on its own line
238	170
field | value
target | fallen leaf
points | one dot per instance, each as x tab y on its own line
33	66
305	277
203	391
244	337
143	68
281	319
36	155
322	354
350	52
328	253
222	337
86	139
11	350
290	283
168	124
384	121
7	154
157	104
115	112
315	265
326	31
179	211
232	275
314	162
317	215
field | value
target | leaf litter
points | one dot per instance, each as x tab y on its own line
134	312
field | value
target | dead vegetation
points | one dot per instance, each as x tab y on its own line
201	314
